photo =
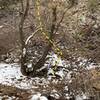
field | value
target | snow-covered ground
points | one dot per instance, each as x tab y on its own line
10	75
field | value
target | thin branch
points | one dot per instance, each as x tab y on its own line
10	26
70	6
27	40
22	6
63	15
23	17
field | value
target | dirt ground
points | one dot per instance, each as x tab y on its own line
15	93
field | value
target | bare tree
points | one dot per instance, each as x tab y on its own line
38	68
24	14
41	61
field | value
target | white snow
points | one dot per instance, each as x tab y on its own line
24	51
92	66
43	98
66	88
69	75
29	66
1	26
50	71
60	73
35	97
10	75
82	97
54	60
78	97
38	97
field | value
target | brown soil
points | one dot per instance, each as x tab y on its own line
11	91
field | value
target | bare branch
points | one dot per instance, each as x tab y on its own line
23	17
27	40
22	6
63	15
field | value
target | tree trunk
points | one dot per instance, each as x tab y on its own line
23	46
41	61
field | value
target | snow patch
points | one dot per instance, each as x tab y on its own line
10	74
38	97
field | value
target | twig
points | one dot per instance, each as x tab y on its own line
27	40
63	15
